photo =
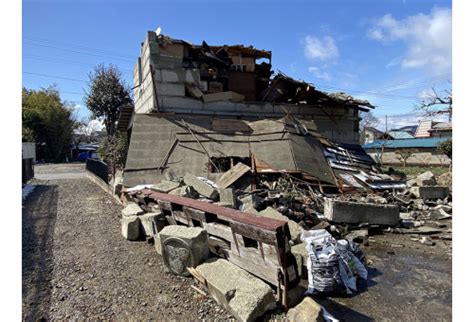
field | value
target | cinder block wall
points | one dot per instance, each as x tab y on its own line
170	78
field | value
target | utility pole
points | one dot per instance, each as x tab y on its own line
386	126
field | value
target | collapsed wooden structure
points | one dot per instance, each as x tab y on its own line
257	244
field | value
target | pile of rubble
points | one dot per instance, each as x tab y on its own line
163	215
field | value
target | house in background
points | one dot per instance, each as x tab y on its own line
370	134
430	128
420	152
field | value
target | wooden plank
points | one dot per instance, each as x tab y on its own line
250	231
195	213
232	175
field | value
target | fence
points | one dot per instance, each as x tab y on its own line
98	168
27	170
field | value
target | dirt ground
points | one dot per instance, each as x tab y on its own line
76	265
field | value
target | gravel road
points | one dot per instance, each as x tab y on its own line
76	264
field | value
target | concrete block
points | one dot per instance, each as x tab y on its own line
307	311
227	196
165	186
250	201
170	102
132	209
185	191
157	240
201	187
426	179
182	247
165	61
130	227
240	293
266	108
223	96
170	89
152	223
178	75
357	212
295	229
301	256
221	106
430	192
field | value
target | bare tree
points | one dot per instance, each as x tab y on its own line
436	104
404	155
368	119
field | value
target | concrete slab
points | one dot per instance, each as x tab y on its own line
357	212
227	196
201	187
242	294
165	186
132	209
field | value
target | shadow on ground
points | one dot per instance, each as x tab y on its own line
38	220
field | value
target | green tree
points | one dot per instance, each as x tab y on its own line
447	148
114	150
47	121
107	93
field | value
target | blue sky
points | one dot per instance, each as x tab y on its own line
390	52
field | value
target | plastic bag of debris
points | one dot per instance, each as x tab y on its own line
332	265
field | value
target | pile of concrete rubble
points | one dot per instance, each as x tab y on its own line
420	209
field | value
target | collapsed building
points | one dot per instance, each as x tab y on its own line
201	109
250	163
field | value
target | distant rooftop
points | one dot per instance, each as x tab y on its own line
405	143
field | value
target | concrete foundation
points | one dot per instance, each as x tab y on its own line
242	294
357	212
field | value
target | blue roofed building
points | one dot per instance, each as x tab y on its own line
423	151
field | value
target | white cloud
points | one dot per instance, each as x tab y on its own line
92	126
428	38
399	120
426	94
322	49
318	73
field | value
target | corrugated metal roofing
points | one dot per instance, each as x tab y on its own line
405	143
400	135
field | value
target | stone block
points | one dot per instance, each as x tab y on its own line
130	227
182	247
307	311
152	223
201	187
170	89
223	96
266	108
301	256
165	186
132	209
243	295
357	212
430	192
157	240
295	229
227	196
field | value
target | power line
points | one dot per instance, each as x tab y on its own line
81	52
65	44
59	77
62	61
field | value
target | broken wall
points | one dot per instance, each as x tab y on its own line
167	144
160	82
